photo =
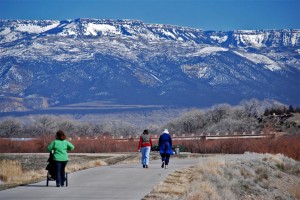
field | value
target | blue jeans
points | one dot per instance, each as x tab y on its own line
145	155
60	172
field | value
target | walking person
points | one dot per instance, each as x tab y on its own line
145	146
165	148
60	146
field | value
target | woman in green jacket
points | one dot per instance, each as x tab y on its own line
60	146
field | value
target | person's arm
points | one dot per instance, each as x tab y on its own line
140	144
151	142
51	145
170	141
159	141
70	146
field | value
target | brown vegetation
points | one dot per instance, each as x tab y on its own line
287	145
9	168
39	145
104	145
249	176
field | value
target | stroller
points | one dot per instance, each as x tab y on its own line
51	170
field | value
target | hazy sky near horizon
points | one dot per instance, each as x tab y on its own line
202	14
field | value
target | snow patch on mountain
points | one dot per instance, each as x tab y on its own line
294	38
69	29
5	31
219	39
254	40
32	28
260	59
169	34
198	71
105	29
208	50
8	37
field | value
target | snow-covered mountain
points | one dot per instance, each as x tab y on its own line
46	63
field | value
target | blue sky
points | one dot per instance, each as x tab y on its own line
202	14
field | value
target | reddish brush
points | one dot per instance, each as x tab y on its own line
287	145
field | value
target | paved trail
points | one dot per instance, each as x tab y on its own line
126	182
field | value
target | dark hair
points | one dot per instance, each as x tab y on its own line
146	132
60	135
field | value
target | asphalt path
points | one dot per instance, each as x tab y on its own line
123	182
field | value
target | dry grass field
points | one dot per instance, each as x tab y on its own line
230	177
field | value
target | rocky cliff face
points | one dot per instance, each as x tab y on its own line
46	63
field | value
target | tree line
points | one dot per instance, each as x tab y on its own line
248	116
281	110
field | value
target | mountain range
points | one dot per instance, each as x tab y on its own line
46	63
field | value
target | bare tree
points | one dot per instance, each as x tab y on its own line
67	126
219	112
193	121
10	128
253	107
83	129
46	124
97	129
221	118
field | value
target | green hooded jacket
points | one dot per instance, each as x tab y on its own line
60	148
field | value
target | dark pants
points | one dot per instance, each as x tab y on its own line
60	172
165	157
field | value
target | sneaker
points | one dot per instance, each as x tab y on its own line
166	166
146	166
163	164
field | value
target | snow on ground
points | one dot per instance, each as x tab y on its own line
168	33
31	28
208	50
260	59
255	40
219	39
93	29
5	31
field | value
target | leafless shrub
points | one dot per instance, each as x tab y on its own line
285	164
246	173
10	128
261	174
